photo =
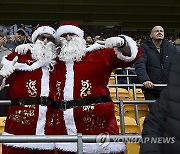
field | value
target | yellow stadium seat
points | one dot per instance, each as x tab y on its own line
0	148
130	107
111	80
116	109
117	93
131	126
113	93
141	122
129	110
139	94
131	113
132	148
112	73
123	94
129	121
2	124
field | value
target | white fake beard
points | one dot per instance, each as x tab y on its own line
72	50
45	53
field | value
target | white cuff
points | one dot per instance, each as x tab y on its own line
133	47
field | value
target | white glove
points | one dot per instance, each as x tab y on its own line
8	68
23	48
114	42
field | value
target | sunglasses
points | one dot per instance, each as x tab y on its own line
65	35
48	37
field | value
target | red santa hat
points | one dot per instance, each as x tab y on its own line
69	27
42	30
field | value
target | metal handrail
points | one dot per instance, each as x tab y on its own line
137	85
65	138
79	138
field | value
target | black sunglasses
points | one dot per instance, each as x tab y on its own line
70	34
49	38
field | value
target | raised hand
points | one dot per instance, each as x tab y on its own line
114	42
8	68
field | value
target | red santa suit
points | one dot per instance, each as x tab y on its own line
86	79
30	79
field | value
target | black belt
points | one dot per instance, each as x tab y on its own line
63	105
44	101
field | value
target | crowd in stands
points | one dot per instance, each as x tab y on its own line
138	36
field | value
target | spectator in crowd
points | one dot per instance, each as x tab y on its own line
81	77
152	67
89	41
19	38
177	44
3	51
3	94
98	38
160	129
10	38
30	92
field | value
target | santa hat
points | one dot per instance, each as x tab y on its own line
69	27
42	30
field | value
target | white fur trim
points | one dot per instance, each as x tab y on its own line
69	95
69	83
45	82
41	120
69	122
43	109
42	30
133	47
92	148
95	46
23	67
33	146
69	29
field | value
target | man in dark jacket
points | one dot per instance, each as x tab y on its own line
151	68
163	121
20	38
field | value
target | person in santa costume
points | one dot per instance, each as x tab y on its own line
30	91
81	76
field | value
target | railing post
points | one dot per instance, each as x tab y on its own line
136	105
79	144
121	116
128	80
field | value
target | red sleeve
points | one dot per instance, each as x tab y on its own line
21	59
118	63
